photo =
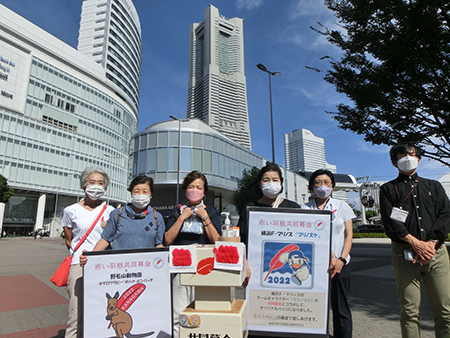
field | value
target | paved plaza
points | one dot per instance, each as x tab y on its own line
32	307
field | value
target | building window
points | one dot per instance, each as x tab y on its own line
142	161
185	161
162	159
151	160
206	161
186	139
172	158
196	159
197	140
48	98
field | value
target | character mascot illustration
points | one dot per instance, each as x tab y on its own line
298	263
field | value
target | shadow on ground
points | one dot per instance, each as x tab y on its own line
373	289
61	334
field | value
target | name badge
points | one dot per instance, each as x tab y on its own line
399	214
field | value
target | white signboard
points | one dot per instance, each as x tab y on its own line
14	74
127	292
289	254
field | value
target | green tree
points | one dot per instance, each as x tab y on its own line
395	69
244	192
371	213
356	211
5	190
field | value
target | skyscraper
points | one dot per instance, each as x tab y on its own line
62	111
217	92
110	33
305	152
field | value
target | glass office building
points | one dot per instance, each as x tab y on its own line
110	34
305	152
59	113
155	153
217	91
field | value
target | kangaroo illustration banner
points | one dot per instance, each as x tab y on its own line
127	293
289	254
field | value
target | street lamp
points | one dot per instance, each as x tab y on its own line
110	167
56	202
179	156
264	69
365	198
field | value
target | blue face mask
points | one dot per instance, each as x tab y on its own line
322	191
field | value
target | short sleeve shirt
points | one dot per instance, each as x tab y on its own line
341	213
80	219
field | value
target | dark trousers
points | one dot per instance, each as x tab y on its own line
342	316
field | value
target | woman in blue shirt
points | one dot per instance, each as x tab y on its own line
135	225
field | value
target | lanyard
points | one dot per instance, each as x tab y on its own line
410	192
416	211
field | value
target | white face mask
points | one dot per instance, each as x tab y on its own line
140	201
94	192
322	191
408	163
271	189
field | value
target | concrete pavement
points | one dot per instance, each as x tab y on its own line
31	306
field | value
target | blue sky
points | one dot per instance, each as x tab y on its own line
276	34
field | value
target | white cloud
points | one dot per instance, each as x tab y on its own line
309	8
248	4
310	40
309	13
370	148
353	199
318	92
431	169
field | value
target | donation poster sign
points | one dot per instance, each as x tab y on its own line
289	254
126	293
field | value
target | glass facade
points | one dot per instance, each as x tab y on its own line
155	154
114	41
66	126
59	114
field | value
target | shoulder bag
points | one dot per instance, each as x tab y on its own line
61	275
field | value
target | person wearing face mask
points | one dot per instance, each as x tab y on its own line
135	225
76	221
268	186
321	184
416	216
191	223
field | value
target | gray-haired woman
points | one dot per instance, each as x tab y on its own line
76	221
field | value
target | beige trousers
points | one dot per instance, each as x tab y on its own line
436	279
75	289
182	296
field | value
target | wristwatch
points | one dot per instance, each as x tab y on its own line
343	259
205	218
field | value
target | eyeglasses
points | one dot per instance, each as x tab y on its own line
325	182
